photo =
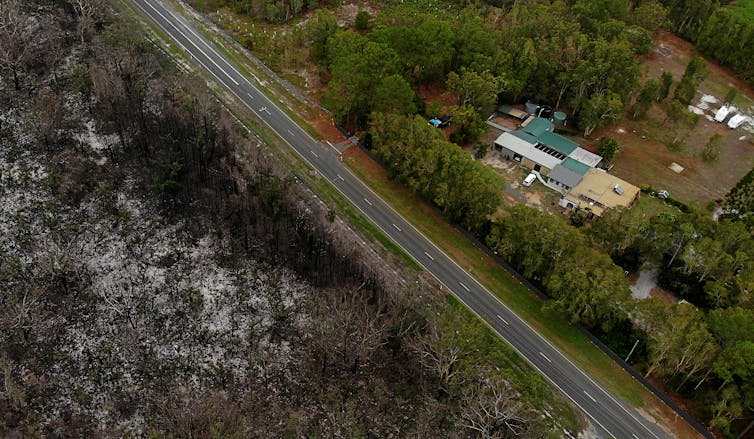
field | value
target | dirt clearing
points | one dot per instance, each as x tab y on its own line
645	158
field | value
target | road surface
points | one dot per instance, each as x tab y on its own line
611	416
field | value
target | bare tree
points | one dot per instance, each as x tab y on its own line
10	389
349	328
48	118
16	29
88	12
439	356
494	410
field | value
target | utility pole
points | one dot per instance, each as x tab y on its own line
632	351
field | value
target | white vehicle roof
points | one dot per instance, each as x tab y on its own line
736	121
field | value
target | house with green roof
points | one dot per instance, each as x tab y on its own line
536	146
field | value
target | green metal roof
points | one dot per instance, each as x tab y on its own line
541	130
556	141
575	166
525	136
538	126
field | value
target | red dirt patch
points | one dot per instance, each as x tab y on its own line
661	294
325	126
672	53
435	92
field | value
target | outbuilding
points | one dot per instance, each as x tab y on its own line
599	191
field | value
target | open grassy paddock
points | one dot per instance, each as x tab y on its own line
645	154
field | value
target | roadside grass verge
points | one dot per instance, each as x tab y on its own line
482	346
551	324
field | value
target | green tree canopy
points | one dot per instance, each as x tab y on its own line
321	26
417	155
426	47
608	148
589	287
478	90
358	66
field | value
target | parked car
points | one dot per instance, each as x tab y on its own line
529	180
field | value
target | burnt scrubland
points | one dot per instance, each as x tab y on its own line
162	274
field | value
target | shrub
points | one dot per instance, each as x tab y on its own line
362	20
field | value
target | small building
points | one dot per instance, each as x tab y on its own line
525	151
513	112
567	175
537	147
598	191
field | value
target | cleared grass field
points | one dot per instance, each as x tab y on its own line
744	9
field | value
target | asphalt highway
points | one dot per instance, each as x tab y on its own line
611	416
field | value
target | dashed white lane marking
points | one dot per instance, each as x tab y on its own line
635	436
341	177
464	286
314	153
193	44
429	256
592	398
368	202
504	321
397	228
545	357
290	132
249	95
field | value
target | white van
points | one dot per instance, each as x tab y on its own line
530	179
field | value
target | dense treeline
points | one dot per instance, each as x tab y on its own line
583	282
717	32
697	347
417	155
238	308
701	349
708	263
580	57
